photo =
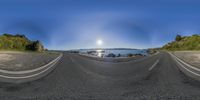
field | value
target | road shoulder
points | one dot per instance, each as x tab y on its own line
28	75
186	68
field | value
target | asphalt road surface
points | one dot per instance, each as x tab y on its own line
78	78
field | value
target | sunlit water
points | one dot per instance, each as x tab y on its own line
122	52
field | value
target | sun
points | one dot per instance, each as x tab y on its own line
99	42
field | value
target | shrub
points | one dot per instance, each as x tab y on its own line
19	42
185	43
178	38
35	46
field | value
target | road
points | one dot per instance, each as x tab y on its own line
78	78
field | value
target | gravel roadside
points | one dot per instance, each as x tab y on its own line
20	61
191	57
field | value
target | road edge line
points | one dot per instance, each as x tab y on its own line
33	70
40	74
183	64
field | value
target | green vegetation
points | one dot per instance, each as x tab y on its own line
19	42
184	43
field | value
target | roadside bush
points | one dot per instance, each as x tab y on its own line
185	43
35	46
178	38
19	42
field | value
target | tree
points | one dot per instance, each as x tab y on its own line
19	42
178	38
20	35
184	43
7	35
38	46
35	46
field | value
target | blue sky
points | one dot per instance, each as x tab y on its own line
73	24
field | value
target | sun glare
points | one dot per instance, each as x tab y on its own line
99	42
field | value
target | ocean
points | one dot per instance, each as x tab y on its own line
104	52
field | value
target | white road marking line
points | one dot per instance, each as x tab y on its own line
197	69
157	61
179	61
23	77
187	69
29	76
33	70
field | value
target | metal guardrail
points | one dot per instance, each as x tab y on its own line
186	68
28	75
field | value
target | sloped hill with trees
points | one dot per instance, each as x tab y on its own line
184	43
19	42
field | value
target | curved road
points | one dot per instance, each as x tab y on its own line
78	78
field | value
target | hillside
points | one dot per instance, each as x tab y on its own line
184	43
19	42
